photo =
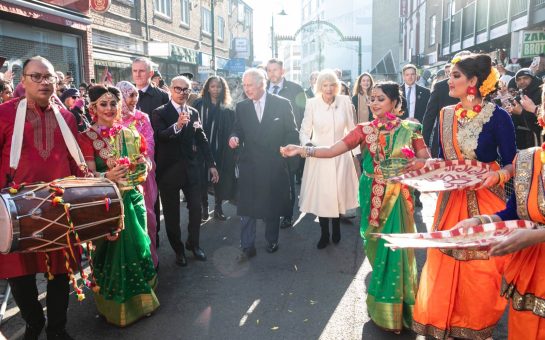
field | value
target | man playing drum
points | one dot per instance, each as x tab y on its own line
44	156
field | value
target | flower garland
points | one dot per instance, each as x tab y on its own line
464	115
391	123
541	122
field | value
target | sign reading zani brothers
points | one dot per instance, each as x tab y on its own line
532	43
100	6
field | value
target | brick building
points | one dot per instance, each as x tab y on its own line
59	30
176	34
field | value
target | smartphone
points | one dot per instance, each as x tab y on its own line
2	61
69	73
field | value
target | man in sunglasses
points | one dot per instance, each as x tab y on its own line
41	159
71	98
180	145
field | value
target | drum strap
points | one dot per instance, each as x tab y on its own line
19	129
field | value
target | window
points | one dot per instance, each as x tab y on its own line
247	17
185	12
232	5
163	7
206	23
433	22
240	14
221	29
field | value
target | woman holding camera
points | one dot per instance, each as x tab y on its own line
386	207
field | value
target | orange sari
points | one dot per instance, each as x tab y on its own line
524	272
459	289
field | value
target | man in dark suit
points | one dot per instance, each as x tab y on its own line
149	98
309	92
180	142
439	98
415	97
263	123
296	95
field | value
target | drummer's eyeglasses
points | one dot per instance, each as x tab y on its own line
38	77
179	90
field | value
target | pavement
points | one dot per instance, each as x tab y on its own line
299	292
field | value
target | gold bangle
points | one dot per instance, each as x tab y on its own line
304	152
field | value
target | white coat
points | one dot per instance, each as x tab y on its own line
330	185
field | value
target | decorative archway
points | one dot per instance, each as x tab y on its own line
317	25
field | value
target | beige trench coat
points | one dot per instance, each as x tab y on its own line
329	186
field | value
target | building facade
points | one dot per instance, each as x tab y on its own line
59	30
178	35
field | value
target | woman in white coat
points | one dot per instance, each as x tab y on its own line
329	186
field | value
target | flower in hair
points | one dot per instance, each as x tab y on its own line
455	60
489	84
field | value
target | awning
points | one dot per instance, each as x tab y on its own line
111	60
183	54
386	65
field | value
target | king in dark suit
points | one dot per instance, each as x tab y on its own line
180	144
263	123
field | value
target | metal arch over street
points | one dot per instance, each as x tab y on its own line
318	23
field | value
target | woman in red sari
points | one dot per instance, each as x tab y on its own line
458	292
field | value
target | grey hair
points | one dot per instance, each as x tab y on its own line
327	76
182	78
257	75
144	60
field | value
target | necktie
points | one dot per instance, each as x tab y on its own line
275	89
141	93
258	110
409	101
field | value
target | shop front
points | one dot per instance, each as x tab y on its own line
59	34
180	60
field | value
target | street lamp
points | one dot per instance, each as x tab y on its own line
274	52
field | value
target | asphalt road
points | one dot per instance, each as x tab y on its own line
299	292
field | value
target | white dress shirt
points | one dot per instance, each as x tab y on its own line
179	109
411	100
259	106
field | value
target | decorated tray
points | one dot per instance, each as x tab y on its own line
480	236
445	176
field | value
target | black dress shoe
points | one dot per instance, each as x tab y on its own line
272	247
181	260
246	254
199	254
286	223
417	202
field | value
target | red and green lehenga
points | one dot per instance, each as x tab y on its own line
524	274
387	207
123	269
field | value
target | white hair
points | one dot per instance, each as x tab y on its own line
257	75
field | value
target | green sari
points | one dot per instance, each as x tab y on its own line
123	269
392	290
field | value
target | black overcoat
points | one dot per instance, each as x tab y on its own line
264	186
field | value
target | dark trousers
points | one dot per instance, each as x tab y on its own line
247	232
25	293
170	184
293	193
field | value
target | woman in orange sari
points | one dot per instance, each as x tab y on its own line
524	273
458	292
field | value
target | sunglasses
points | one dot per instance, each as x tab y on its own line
75	97
179	90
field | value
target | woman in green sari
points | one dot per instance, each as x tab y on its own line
122	264
386	207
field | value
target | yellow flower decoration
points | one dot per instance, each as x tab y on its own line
455	60
490	82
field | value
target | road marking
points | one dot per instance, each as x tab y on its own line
248	312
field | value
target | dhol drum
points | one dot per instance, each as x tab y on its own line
47	216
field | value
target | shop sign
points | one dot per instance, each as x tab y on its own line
241	46
183	54
532	43
100	6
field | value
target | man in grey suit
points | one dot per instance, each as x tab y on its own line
263	123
